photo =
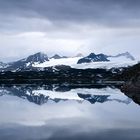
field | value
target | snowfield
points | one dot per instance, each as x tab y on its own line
113	63
72	94
62	61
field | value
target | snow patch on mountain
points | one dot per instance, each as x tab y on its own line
41	60
59	95
105	65
62	61
72	62
125	55
73	94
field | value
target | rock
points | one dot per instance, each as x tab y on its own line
133	85
93	58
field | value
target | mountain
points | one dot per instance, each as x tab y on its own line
48	93
79	55
102	58
3	65
39	61
38	57
93	58
126	55
28	62
94	98
56	56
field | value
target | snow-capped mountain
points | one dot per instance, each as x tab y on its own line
93	61
40	61
93	58
70	61
28	62
104	58
79	55
125	55
38	57
56	56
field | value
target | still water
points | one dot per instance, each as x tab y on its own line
54	113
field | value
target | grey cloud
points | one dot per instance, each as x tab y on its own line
93	24
102	12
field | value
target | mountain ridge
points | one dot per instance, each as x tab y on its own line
93	58
33	61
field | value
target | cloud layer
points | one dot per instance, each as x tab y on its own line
68	27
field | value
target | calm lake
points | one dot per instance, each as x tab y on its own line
54	113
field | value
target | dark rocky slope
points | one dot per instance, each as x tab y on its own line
132	86
93	58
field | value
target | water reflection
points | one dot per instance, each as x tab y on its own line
41	95
46	113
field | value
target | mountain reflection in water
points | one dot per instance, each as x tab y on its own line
41	95
54	113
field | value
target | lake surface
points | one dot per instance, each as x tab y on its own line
54	113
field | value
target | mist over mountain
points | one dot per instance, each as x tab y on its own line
125	54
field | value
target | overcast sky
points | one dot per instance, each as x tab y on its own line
68	27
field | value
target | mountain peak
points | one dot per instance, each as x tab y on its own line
93	58
56	56
79	55
37	57
91	55
39	54
126	54
28	62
